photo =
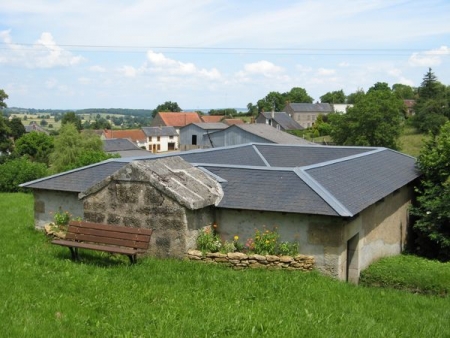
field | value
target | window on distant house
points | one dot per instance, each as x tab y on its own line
171	137
159	147
158	139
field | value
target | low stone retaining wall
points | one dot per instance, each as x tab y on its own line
238	260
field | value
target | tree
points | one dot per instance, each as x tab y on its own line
16	127
432	214
379	86
167	106
333	97
71	117
37	146
5	133
429	87
404	92
252	109
298	95
273	101
3	97
374	120
354	97
432	108
72	150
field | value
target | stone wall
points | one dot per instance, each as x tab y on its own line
238	260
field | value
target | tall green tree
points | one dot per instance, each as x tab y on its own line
272	101
72	118
73	149
432	212
354	97
374	120
404	92
6	143
3	97
297	95
432	108
17	128
167	106
16	171
335	97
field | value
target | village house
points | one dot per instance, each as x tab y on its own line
137	136
176	119
161	139
306	113
123	147
278	120
346	206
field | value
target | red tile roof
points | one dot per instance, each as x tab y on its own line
231	122
132	134
212	118
179	119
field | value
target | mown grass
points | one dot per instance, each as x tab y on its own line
45	294
409	273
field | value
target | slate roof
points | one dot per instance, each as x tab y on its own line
118	144
160	131
211	125
311	179
231	122
311	107
33	126
271	134
283	119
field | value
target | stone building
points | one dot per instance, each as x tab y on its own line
346	206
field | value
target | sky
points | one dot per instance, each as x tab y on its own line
212	54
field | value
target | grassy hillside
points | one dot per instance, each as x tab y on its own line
45	294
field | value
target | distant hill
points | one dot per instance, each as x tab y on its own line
110	111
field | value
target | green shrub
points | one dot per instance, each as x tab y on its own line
17	171
208	241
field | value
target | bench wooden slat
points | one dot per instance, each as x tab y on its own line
107	227
104	237
82	245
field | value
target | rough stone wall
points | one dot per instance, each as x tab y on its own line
46	203
137	204
239	261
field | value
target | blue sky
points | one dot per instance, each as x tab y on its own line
202	54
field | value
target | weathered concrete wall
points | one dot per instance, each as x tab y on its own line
382	229
379	231
317	236
137	204
46	203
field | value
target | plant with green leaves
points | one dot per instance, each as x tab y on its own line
208	240
266	241
432	215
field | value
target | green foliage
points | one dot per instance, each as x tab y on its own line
6	144
17	171
226	112
374	120
335	97
61	217
355	97
16	127
3	97
167	106
432	214
37	146
409	273
404	92
72	150
276	101
42	292
208	240
266	242
71	118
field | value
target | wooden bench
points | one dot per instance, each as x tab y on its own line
108	238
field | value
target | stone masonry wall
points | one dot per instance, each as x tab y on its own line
238	260
141	205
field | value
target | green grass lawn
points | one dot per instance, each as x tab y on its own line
411	141
44	294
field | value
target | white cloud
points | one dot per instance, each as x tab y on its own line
159	64
128	71
429	58
344	64
97	69
44	53
325	72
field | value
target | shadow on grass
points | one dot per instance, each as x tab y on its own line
96	258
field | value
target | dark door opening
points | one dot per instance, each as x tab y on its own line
352	269
194	140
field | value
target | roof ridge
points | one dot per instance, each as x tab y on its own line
329	198
342	159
